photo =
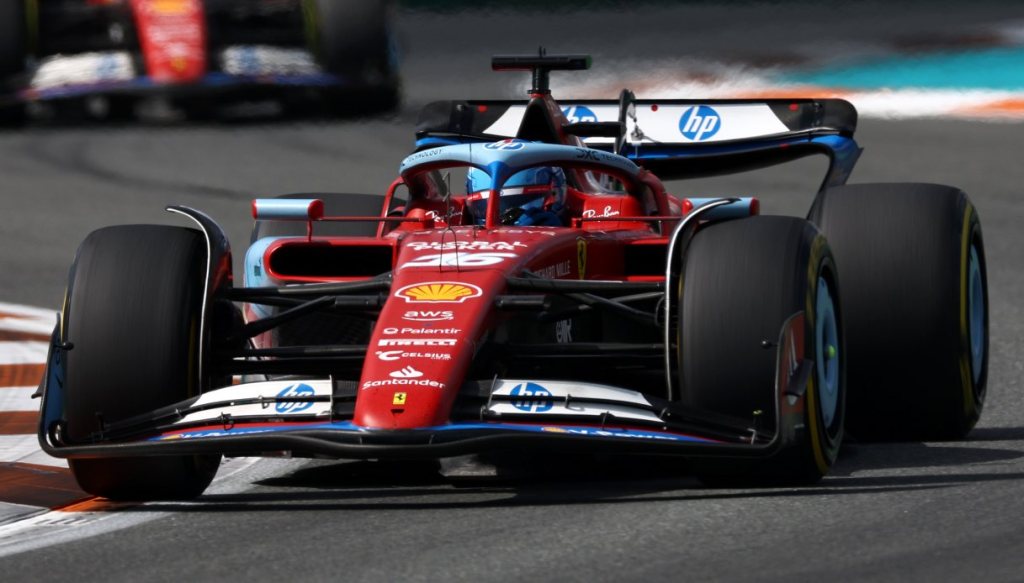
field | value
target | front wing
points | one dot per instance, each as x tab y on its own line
120	73
312	418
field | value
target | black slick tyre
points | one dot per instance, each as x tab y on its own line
13	52
915	297
352	39
132	317
742	282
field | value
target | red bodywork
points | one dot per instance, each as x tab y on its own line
173	38
446	278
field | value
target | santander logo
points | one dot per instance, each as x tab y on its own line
406	373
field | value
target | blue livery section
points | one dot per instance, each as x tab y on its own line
502	159
733	210
296	209
349	427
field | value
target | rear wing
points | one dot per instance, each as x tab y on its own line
675	138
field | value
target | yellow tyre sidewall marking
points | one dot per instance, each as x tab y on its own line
966	376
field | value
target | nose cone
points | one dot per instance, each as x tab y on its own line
422	346
173	39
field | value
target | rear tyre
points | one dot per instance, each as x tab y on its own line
132	315
13	53
743	281
13	116
121	108
915	295
352	39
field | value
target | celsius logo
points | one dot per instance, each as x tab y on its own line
699	123
406	373
505	145
578	114
299	390
531	397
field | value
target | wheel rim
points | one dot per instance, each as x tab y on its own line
976	314
826	348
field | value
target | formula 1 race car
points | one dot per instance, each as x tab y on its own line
339	52
563	303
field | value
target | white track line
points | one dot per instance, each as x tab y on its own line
18	399
29	311
49	528
23	352
24	449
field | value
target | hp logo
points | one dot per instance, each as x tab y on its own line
532	398
578	114
505	145
299	390
699	123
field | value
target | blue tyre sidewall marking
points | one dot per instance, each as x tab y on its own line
976	313
826	333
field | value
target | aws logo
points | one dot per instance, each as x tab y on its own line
429	315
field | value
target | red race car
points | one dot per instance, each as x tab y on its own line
562	302
339	52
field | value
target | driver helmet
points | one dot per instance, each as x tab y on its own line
532	197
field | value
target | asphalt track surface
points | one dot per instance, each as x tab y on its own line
888	512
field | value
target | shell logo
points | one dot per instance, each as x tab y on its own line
170	6
439	292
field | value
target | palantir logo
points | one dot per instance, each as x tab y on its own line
532	397
579	114
699	123
299	390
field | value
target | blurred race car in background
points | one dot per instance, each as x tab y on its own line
337	52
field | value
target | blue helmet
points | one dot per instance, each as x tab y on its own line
531	197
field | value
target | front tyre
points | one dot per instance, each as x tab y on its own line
746	284
132	318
